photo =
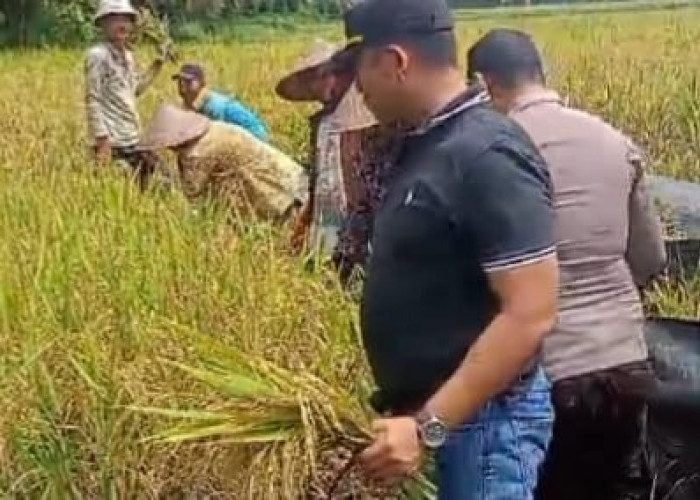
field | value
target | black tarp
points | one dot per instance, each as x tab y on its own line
679	202
674	408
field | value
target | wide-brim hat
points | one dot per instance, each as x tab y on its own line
295	85
112	7
173	126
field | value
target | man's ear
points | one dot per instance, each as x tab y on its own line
400	59
491	82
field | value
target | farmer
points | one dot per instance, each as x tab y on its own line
348	151
229	163
462	279
112	86
609	243
195	94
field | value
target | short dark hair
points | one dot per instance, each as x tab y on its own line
437	48
508	56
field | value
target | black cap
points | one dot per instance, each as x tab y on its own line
190	71
384	21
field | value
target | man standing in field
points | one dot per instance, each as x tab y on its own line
196	95
609	243
462	279
112	86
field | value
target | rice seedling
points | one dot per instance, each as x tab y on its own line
152	350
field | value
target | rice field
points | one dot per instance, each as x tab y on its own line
150	349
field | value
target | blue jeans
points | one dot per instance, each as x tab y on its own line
498	455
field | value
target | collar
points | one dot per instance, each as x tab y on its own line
201	98
473	96
534	97
119	54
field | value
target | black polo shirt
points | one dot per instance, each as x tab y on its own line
472	195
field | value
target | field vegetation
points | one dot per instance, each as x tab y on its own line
130	322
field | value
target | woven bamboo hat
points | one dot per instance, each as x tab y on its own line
352	113
295	85
173	126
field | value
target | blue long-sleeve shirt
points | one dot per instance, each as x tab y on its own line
225	108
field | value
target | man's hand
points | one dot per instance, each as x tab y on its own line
396	451
165	53
301	221
103	149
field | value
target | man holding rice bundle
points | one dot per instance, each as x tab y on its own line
462	279
113	85
228	163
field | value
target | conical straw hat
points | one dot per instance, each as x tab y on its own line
294	86
352	113
173	126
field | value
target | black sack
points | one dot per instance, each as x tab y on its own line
683	258
674	408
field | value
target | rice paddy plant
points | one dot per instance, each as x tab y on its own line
152	349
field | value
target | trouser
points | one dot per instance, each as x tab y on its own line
142	163
499	453
598	449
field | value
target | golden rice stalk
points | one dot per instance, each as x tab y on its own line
156	30
303	432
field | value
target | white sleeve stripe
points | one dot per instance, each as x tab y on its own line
520	260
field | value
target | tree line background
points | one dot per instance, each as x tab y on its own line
24	22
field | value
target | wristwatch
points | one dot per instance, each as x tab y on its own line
432	431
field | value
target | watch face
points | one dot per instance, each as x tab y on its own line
434	433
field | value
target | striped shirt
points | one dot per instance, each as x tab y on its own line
112	85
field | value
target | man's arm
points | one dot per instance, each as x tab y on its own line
527	295
146	79
93	91
195	175
505	213
528	308
646	253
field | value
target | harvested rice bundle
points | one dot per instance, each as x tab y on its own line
302	432
156	30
